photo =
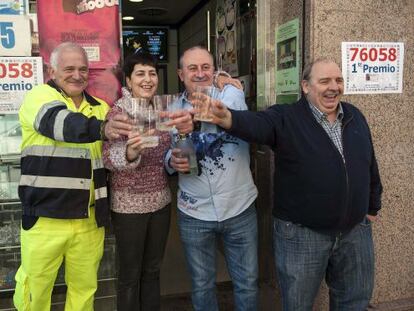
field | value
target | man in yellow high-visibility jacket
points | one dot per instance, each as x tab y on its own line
63	184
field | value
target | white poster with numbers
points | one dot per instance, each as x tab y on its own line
15	35
17	76
372	67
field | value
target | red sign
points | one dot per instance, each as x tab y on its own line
93	24
104	83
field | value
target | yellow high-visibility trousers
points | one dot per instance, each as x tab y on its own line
76	242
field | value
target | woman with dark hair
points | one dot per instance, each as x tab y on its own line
140	196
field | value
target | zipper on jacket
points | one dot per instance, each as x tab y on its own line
346	171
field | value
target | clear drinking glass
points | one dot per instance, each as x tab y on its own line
164	105
202	102
144	119
132	107
147	124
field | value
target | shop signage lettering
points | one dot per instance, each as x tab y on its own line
91	5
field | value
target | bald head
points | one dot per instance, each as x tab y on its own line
306	74
194	48
323	86
196	68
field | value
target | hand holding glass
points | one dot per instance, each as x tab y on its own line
201	100
144	119
164	106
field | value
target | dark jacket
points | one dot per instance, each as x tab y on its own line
313	186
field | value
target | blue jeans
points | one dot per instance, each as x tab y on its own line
239	236
304	257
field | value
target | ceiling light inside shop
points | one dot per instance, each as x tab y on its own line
136	0
128	18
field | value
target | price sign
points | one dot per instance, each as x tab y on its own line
15	37
17	76
372	67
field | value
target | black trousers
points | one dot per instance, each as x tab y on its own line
140	240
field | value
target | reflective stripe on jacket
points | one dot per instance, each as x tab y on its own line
62	172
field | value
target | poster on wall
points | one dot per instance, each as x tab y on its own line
152	40
372	67
94	24
15	37
287	58
226	34
13	7
18	75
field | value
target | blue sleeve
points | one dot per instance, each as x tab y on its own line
233	98
55	121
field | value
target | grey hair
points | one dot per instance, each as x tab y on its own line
65	46
306	74
196	47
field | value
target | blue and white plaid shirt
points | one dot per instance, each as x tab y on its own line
334	130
